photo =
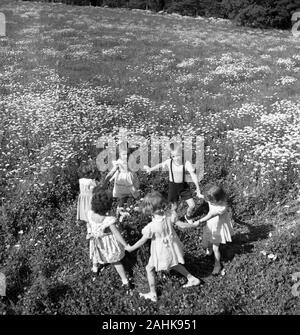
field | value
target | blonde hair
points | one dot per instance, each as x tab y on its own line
175	147
154	202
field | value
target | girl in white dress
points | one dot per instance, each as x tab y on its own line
218	225
166	251
126	183
106	243
86	187
87	183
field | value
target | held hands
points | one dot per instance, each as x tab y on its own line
196	223
128	248
147	168
199	195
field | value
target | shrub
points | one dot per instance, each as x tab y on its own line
260	13
231	8
254	13
137	4
184	7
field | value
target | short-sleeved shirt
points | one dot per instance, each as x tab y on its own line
177	170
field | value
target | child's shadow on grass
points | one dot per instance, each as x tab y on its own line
200	267
129	261
242	242
58	291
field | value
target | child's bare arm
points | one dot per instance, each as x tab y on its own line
191	171
195	181
185	225
138	244
155	167
206	217
212	213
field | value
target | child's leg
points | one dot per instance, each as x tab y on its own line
121	271
134	192
192	280
217	267
120	206
121	210
191	207
151	280
95	267
209	250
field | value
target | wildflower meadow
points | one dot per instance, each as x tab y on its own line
71	74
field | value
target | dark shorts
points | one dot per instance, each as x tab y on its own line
179	191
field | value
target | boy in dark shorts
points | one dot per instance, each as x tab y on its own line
178	187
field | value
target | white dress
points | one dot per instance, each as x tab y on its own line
85	196
166	249
219	228
125	181
104	247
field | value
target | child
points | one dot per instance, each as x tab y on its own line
106	242
178	187
125	181
166	248
87	183
218	227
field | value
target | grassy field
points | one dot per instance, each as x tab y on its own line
71	74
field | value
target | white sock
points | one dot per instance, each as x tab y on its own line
125	281
190	277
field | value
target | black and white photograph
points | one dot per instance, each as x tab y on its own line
150	160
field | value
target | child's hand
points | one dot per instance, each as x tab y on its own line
196	223
147	168
199	195
128	248
200	221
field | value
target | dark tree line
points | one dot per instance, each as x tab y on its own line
254	13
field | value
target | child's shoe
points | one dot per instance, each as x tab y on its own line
208	252
192	281
127	287
95	268
150	296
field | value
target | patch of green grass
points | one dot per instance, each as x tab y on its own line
70	74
